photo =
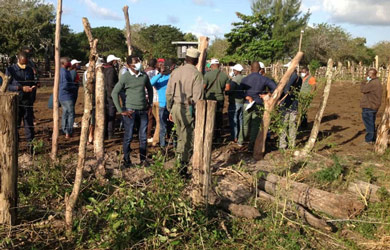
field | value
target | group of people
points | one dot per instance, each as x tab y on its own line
168	94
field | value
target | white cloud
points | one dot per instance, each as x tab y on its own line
203	2
204	28
101	12
361	12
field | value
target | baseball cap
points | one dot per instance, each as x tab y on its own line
74	61
262	65
160	60
238	67
111	58
214	61
194	53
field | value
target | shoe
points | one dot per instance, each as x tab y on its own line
67	136
75	125
150	140
126	164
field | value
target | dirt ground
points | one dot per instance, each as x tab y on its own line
342	129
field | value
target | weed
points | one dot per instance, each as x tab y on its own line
332	173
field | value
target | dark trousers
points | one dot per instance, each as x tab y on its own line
27	115
369	116
218	120
142	117
164	115
110	120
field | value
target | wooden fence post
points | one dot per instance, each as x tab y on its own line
383	137
317	121
70	201
269	104
57	49
201	160
8	155
100	120
203	45
128	30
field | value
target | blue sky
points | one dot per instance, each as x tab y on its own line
213	18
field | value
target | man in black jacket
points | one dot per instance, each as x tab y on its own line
110	79
21	79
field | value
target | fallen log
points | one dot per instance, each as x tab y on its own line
304	214
365	190
243	211
335	205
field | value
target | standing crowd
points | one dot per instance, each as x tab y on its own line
167	94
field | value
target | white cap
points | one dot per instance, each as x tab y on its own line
111	58
214	61
74	61
194	53
238	67
262	65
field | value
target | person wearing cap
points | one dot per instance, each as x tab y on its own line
110	79
262	69
215	82
184	90
75	65
153	115
236	102
134	82
253	86
306	92
289	109
160	83
67	93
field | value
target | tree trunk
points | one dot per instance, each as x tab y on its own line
304	214
8	156
70	201
203	45
4	85
100	119
365	189
383	137
269	104
57	48
336	205
128	30
317	122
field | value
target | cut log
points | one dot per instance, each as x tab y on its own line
317	121
238	210
269	104
304	214
365	189
203	45
8	157
335	205
100	119
128	30
4	84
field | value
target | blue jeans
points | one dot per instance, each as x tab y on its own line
164	115
67	116
235	112
369	116
142	117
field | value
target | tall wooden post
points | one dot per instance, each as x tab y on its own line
317	121
57	48
383	137
203	46
269	104
377	62
100	120
70	201
8	154
204	130
128	30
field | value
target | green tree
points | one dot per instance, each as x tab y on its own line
382	49
25	23
156	41
251	39
189	37
218	49
288	21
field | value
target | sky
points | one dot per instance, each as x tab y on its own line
213	18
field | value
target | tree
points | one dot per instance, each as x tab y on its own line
156	41
218	49
251	39
288	21
25	23
382	49
189	37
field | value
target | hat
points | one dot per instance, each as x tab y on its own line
111	58
160	60
238	67
74	61
194	53
208	65
262	65
214	61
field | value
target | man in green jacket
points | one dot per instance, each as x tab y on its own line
215	82
133	82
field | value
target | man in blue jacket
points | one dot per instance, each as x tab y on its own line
21	79
253	86
67	94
